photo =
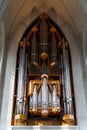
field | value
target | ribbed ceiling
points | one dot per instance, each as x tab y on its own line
14	12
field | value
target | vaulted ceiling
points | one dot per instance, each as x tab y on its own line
71	12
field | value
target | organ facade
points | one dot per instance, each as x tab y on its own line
44	92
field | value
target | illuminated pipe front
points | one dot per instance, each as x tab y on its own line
39	102
67	93
21	96
55	100
44	112
50	102
53	51
34	50
34	99
43	39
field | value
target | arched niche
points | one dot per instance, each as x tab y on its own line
44	85
10	78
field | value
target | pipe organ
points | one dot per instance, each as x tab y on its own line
44	90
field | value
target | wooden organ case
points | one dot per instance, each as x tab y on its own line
44	92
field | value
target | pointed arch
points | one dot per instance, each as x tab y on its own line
76	65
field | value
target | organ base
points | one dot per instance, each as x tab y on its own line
38	112
44	122
44	113
20	119
68	120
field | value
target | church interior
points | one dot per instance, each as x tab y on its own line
43	64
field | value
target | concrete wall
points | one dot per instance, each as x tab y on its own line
71	22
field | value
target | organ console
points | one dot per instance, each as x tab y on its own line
44	93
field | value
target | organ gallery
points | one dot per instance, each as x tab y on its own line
44	93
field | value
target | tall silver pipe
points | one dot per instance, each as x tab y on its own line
39	98
54	96
20	88
67	89
55	99
44	112
31	101
50	99
43	39
34	103
25	84
34	49
43	31
53	50
63	84
69	100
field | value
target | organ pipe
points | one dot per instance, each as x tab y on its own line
34	49
67	82
50	99
39	98
20	89
44	112
55	99
25	83
43	31
43	39
34	103
53	50
22	84
63	84
30	101
69	85
39	101
44	68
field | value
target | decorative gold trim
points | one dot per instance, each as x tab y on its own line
44	55
68	119
20	119
44	113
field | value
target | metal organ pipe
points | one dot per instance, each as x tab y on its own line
43	39
30	102
20	88
20	116
50	99
20	85
69	85
54	96
34	104
43	31
63	84
55	99
34	49
44	68
67	82
25	82
44	112
39	101
39	98
53	50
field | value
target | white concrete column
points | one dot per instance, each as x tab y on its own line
9	80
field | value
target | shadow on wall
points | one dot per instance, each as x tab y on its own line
2	38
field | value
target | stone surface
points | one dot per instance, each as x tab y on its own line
84	5
16	16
